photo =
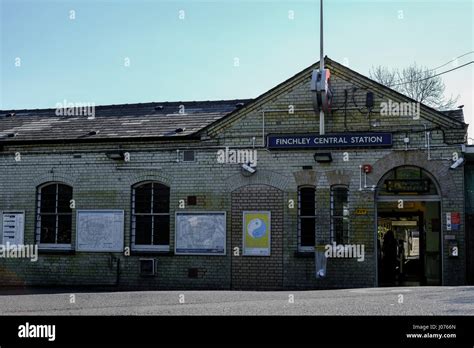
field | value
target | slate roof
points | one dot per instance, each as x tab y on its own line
457	114
144	121
112	122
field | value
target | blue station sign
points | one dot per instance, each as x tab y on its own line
312	141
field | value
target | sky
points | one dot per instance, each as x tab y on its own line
133	51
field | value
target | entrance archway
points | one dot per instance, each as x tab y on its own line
408	228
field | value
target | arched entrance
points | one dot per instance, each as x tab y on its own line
408	228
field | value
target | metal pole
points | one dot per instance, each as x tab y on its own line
321	58
321	122
321	67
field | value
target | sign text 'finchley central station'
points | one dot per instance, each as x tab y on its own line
329	140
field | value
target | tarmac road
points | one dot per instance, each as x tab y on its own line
367	301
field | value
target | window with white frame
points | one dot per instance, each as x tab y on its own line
150	217
54	216
306	218
339	214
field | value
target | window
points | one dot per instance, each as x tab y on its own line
306	218
188	156
151	217
407	180
54	216
339	214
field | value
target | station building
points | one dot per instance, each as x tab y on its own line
236	194
469	189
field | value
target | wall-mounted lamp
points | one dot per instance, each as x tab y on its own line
247	169
9	135
116	155
323	157
457	163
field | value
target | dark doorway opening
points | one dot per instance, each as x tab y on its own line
408	228
402	259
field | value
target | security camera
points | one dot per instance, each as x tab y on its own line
457	163
248	168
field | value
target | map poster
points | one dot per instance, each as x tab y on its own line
12	227
200	233
256	233
100	230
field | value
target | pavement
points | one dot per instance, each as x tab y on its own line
367	301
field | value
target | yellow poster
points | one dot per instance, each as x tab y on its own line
256	233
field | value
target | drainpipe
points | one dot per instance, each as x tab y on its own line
427	142
117	280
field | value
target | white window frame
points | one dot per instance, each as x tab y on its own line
50	246
143	247
333	236
299	217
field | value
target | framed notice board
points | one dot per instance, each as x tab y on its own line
100	230
256	233
12	227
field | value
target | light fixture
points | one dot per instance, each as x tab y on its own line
116	155
456	164
248	169
376	123
323	157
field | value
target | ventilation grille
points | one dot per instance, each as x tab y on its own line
147	267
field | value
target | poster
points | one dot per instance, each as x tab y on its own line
100	230
453	221
12	227
256	233
200	233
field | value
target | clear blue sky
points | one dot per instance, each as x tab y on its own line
171	59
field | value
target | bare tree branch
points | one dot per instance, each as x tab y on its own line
416	82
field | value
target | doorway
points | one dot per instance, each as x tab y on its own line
408	229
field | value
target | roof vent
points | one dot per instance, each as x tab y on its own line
10	114
93	132
239	105
179	130
11	135
159	107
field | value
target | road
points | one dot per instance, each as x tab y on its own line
368	301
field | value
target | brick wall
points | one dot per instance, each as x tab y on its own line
258	272
101	183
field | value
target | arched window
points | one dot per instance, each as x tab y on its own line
54	216
339	214
150	217
306	218
408	181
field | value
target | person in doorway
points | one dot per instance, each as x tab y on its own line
389	257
